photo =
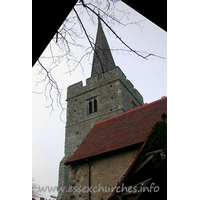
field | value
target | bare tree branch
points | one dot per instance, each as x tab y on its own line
91	44
67	38
53	85
35	193
117	36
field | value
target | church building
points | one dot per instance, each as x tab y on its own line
108	134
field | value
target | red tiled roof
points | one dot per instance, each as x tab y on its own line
127	129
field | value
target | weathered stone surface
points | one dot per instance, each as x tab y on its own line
114	94
105	174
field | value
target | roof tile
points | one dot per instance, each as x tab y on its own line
126	129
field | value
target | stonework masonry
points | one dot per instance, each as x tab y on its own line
100	171
114	95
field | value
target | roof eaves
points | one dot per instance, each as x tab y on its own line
105	154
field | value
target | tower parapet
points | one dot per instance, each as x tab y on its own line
109	76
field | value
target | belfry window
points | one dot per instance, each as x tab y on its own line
92	106
95	105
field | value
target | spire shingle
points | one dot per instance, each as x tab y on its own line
102	59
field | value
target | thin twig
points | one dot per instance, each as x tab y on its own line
117	36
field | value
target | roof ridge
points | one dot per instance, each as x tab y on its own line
127	111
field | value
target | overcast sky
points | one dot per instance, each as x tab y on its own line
149	77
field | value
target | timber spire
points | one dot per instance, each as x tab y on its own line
102	59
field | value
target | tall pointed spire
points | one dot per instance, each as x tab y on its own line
102	60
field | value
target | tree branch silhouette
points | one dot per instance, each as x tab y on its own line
63	44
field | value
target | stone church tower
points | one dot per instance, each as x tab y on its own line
107	93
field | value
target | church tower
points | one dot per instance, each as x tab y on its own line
106	93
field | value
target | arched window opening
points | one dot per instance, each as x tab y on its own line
90	107
95	105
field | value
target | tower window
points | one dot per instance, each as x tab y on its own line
95	105
92	106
